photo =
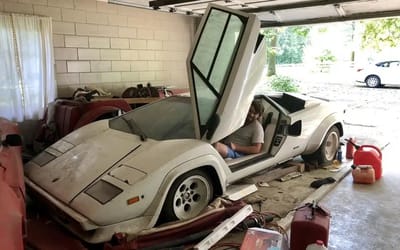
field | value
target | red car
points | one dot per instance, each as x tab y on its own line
12	189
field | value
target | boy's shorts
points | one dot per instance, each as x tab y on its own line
233	154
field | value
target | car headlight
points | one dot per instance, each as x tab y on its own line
103	191
52	152
62	146
43	158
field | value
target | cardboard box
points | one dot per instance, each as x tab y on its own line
263	239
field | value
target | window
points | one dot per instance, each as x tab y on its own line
213	60
27	71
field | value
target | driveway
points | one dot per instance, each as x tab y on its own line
371	114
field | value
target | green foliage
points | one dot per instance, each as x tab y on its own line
291	44
283	84
270	33
326	56
285	45
381	33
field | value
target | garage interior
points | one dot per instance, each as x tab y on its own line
116	44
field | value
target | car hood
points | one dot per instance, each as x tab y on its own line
309	100
69	174
315	101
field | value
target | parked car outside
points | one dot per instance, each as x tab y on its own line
379	74
156	163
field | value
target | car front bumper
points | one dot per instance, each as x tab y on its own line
81	225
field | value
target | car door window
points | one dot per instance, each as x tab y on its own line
212	60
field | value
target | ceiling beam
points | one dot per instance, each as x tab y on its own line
272	7
381	14
159	3
296	5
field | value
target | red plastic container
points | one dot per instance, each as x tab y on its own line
363	174
369	155
310	223
350	149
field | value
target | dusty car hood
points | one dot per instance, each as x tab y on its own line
69	174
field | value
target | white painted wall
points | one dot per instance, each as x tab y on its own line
113	47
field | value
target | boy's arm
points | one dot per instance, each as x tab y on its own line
253	149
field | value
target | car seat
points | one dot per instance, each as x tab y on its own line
269	125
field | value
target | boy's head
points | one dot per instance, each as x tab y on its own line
255	112
258	107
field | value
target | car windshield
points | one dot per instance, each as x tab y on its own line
170	118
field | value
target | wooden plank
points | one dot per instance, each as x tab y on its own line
279	172
275	173
235	192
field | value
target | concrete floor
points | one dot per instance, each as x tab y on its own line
367	216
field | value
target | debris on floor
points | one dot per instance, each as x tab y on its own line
224	228
238	191
290	176
319	183
180	233
261	239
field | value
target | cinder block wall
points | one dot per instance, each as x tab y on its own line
112	47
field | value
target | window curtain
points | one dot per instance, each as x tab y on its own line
27	74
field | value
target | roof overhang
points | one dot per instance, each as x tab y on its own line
281	12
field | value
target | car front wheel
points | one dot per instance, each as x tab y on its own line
188	196
373	81
326	153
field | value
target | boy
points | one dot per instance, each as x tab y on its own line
246	140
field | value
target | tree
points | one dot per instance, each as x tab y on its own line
324	59
381	33
285	45
326	56
272	39
291	44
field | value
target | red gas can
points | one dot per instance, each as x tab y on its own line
364	174
369	155
350	148
310	223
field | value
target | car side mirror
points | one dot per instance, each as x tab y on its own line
295	128
12	140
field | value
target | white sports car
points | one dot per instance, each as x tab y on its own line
157	163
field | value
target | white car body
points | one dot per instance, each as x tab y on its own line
380	73
122	174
